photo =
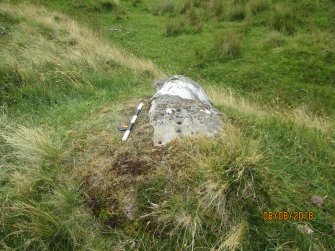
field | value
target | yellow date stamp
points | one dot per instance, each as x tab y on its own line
288	216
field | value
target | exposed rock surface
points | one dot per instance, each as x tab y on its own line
181	108
317	201
303	228
3	31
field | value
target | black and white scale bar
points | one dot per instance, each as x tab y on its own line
132	122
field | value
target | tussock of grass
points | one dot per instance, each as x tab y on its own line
111	4
192	22
165	6
57	223
256	6
41	210
35	146
185	6
226	46
232	241
282	19
194	17
236	12
216	7
275	39
137	2
174	27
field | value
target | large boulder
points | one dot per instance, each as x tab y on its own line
180	108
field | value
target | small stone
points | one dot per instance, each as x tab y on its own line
133	245
114	29
3	31
334	227
317	201
304	229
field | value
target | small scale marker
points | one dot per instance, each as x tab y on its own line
132	122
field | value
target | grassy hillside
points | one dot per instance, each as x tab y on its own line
72	71
270	51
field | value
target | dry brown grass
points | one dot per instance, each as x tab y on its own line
232	241
227	98
298	116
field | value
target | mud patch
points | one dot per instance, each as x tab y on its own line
127	163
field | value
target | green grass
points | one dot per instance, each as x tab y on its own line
68	183
288	72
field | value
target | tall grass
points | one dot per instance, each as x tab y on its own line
226	46
298	116
232	241
236	12
35	146
256	6
216	7
192	22
175	27
51	57
165	6
58	222
282	19
89	49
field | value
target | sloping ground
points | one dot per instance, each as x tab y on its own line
278	53
67	182
44	47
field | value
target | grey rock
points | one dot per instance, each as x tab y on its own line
303	228
317	201
181	108
130	205
3	31
114	29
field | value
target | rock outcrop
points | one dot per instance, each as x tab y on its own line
180	108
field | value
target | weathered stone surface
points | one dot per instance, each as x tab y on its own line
317	201
181	108
303	228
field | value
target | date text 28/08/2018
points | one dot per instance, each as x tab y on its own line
286	216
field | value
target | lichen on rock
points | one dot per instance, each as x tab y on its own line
181	108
